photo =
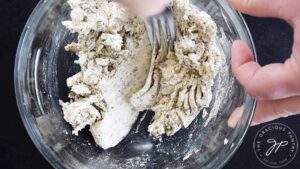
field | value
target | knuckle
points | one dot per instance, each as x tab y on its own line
257	93
252	91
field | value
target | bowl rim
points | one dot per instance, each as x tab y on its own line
252	101
50	156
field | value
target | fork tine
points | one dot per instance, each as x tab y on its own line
171	24
161	25
150	31
162	21
156	29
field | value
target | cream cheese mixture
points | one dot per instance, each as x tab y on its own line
121	75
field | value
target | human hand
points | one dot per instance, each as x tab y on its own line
275	86
145	8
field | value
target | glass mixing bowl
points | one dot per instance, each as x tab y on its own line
42	67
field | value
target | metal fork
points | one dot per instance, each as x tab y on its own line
161	25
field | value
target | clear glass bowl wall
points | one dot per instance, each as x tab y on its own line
42	67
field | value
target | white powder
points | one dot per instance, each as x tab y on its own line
225	141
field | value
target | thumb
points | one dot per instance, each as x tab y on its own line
271	110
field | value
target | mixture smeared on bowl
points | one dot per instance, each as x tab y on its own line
121	75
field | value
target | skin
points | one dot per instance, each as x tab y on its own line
144	8
275	86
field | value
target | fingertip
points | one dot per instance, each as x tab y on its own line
241	46
241	54
235	117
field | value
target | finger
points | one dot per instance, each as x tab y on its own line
274	81
145	8
271	110
285	9
235	117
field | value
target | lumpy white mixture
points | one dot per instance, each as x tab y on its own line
121	75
